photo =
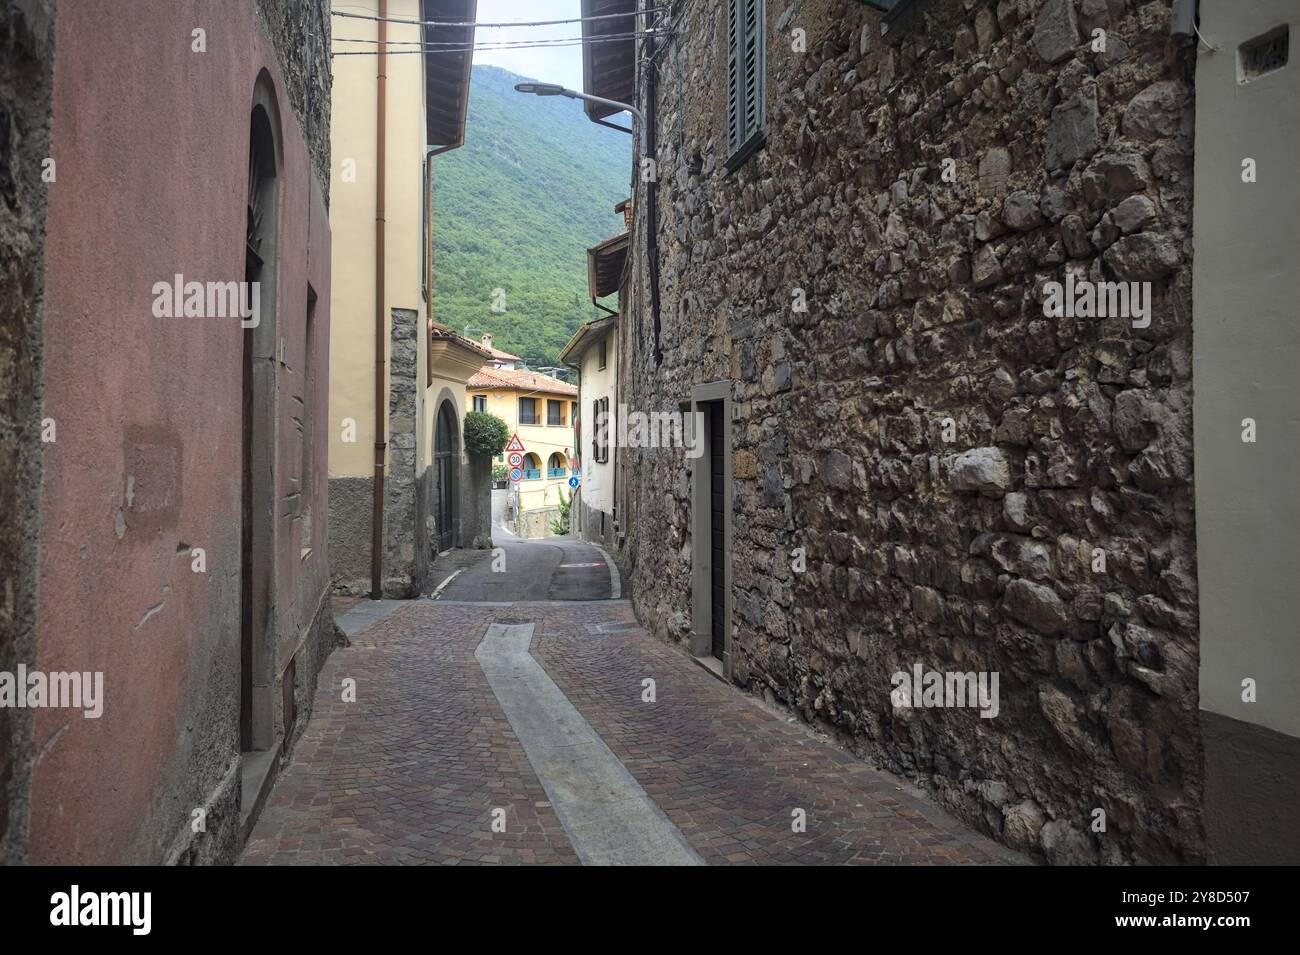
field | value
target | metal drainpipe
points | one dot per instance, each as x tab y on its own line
652	195
381	329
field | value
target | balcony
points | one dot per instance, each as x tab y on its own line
555	472
532	474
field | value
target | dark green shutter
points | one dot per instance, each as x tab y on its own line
745	71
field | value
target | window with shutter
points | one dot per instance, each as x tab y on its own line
746	75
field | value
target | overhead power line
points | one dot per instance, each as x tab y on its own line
516	23
463	44
506	45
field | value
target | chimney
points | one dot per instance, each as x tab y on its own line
486	340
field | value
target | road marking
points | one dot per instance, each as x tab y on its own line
437	592
608	817
615	582
595	564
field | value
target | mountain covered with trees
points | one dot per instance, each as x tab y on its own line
516	208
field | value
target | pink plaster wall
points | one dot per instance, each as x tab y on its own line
151	145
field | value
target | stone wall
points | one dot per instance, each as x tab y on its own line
26	65
300	32
949	462
351	500
476	502
536	523
406	548
591	523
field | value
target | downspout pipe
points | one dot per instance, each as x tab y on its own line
381	323
651	146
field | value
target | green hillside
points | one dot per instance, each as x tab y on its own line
516	208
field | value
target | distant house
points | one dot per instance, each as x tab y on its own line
499	358
541	410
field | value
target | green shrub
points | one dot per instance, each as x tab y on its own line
500	472
560	525
485	433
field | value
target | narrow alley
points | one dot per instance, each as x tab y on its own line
649	433
436	762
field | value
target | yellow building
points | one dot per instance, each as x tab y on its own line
397	380
539	409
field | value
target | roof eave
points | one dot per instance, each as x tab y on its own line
435	106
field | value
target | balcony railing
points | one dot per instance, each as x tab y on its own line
528	419
532	474
555	472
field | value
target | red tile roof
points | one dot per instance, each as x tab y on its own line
501	355
520	381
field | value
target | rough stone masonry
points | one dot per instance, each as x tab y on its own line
951	461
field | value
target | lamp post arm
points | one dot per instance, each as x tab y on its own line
636	113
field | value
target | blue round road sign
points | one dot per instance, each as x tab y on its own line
516	474
573	482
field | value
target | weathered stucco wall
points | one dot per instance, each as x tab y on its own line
948	460
26	70
147	463
1247	506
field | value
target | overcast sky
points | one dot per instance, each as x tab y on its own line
561	65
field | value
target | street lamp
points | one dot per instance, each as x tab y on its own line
555	89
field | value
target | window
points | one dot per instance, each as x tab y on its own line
528	411
600	428
554	412
532	467
555	466
602	355
480	402
746	87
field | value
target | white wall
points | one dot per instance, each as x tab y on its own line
597	383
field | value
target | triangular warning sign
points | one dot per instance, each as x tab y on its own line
515	444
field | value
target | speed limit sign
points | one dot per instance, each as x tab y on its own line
516	459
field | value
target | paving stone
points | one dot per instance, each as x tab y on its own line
410	773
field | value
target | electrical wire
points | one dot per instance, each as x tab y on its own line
466	23
524	45
462	44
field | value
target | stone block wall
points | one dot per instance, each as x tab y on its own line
26	71
300	33
972	485
406	503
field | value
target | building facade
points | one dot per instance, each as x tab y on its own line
539	409
851	257
593	352
399	478
180	568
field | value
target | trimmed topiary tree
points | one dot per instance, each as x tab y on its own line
485	433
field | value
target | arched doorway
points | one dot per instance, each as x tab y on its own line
446	459
257	539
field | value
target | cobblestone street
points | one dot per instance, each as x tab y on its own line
412	771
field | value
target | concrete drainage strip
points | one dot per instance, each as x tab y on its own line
606	814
